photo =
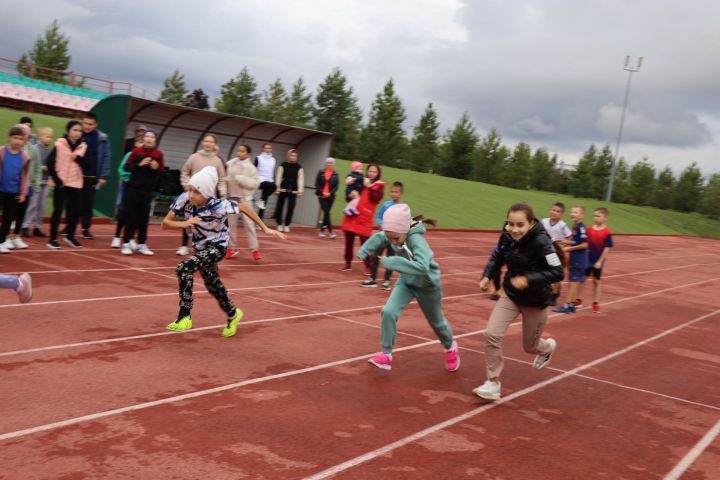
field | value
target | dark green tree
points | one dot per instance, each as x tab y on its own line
710	198
688	189
300	107
601	173
174	90
51	51
275	102
580	180
665	188
423	153
622	182
459	149
490	159
239	96
383	138
641	190
542	170
336	111
558	178
517	169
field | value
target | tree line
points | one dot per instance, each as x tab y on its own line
461	152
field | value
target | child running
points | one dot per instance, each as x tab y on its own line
396	193
559	233
419	279
22	284
206	218
354	182
577	248
600	241
533	264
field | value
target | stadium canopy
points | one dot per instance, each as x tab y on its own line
180	132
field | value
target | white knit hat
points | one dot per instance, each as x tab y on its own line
205	181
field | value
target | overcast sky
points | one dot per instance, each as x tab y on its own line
546	72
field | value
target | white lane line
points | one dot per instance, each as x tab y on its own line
199	393
693	454
334	470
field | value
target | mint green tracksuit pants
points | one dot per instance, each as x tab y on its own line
430	301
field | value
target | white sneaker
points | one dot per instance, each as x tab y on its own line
542	360
116	243
183	251
126	250
261	205
133	244
321	234
332	236
9	244
18	243
287	229
4	248
280	228
489	390
144	250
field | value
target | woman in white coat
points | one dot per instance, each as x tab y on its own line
242	182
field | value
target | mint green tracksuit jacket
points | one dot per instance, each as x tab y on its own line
419	279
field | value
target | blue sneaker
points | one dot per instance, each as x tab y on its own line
567	308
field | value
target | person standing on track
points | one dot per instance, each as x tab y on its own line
533	265
265	164
242	182
419	279
206	217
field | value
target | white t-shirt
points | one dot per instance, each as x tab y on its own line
557	232
213	226
266	167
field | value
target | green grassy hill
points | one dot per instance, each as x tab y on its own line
9	117
465	204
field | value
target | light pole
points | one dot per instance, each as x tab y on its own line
630	71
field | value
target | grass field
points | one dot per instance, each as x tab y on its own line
465	204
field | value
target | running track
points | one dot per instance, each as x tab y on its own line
94	387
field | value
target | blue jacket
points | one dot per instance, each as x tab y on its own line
104	156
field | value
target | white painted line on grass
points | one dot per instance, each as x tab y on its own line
520	393
693	454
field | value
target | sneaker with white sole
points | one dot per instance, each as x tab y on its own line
381	360
116	243
143	249
332	236
53	245
133	244
452	358
386	285
182	251
369	283
287	229
72	241
321	234
9	244
542	360
489	390
18	243
126	250
24	289
4	248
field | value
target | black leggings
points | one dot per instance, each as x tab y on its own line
326	205
136	208
291	198
376	264
9	204
68	199
20	214
205	259
266	189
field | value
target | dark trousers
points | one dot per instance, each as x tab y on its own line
496	280
69	200
87	201
290	197
20	214
136	208
205	260
376	264
349	244
9	204
266	189
326	205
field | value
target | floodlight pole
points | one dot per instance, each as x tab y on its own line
613	167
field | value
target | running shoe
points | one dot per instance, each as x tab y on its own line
542	360
489	390
181	324
382	361
452	358
231	328
24	289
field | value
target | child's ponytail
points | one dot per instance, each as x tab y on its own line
421	219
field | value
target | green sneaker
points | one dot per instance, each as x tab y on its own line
231	328
181	325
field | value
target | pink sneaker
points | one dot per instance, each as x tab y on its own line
381	360
452	358
24	289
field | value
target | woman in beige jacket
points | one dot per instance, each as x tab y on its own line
242	182
205	157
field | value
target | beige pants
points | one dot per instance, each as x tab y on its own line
249	225
533	323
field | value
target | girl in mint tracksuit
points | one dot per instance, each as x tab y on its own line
419	279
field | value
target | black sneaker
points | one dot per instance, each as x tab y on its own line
72	242
369	283
25	233
53	244
386	285
86	234
39	233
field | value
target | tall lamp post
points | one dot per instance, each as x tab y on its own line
630	71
